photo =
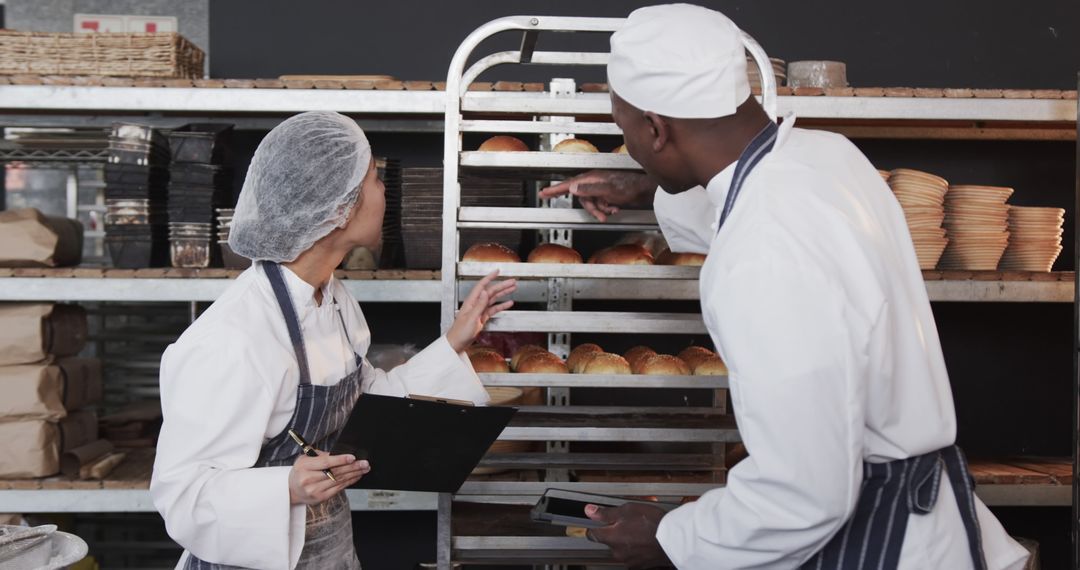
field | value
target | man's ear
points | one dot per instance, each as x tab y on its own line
660	130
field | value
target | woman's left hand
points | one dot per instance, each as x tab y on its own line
482	303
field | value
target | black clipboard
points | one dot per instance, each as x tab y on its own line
419	444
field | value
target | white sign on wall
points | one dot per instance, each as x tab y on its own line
90	23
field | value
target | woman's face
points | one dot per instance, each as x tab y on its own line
365	224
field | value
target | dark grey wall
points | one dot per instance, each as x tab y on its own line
920	43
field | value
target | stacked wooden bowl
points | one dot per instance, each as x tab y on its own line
976	223
1034	238
922	197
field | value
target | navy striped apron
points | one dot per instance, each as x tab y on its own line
874	535
320	414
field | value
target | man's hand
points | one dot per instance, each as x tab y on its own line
631	534
602	192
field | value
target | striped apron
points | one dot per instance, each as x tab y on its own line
874	535
320	414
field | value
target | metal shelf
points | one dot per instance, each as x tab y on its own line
578	423
548	161
604	381
184	290
821	107
37	98
138	501
54	156
598	322
579	270
543	217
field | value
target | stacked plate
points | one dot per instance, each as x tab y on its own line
1034	238
224	228
421	220
779	67
922	197
198	185
976	218
393	250
135	197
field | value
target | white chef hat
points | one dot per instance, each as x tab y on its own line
681	61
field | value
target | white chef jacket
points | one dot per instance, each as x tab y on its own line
813	295
229	384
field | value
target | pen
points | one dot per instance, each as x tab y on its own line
309	451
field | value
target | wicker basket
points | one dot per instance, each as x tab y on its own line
125	55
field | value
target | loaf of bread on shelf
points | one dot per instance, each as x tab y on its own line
577	532
668	257
541	363
653	242
711	366
579	353
488	361
491	253
621	149
634	355
504	395
522	352
554	253
694	355
575	145
625	254
503	143
605	363
662	365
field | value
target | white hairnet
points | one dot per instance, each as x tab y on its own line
302	184
681	61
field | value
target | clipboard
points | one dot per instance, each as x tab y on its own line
419	444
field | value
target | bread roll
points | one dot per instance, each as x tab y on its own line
711	366
541	363
579	352
693	355
522	352
577	532
663	365
554	253
488	361
481	348
626	254
636	354
575	145
621	149
606	363
491	252
668	257
503	143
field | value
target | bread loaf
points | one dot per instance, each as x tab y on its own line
541	363
579	352
621	149
694	355
711	366
491	253
668	257
554	253
503	143
626	254
522	352
488	361
636	354
606	363
575	145
662	365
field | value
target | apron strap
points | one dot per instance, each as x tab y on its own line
348	339
964	489
292	322
762	144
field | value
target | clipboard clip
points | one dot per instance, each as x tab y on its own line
440	400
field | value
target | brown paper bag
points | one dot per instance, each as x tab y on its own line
31	392
30	332
32	239
83	382
78	429
29	449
